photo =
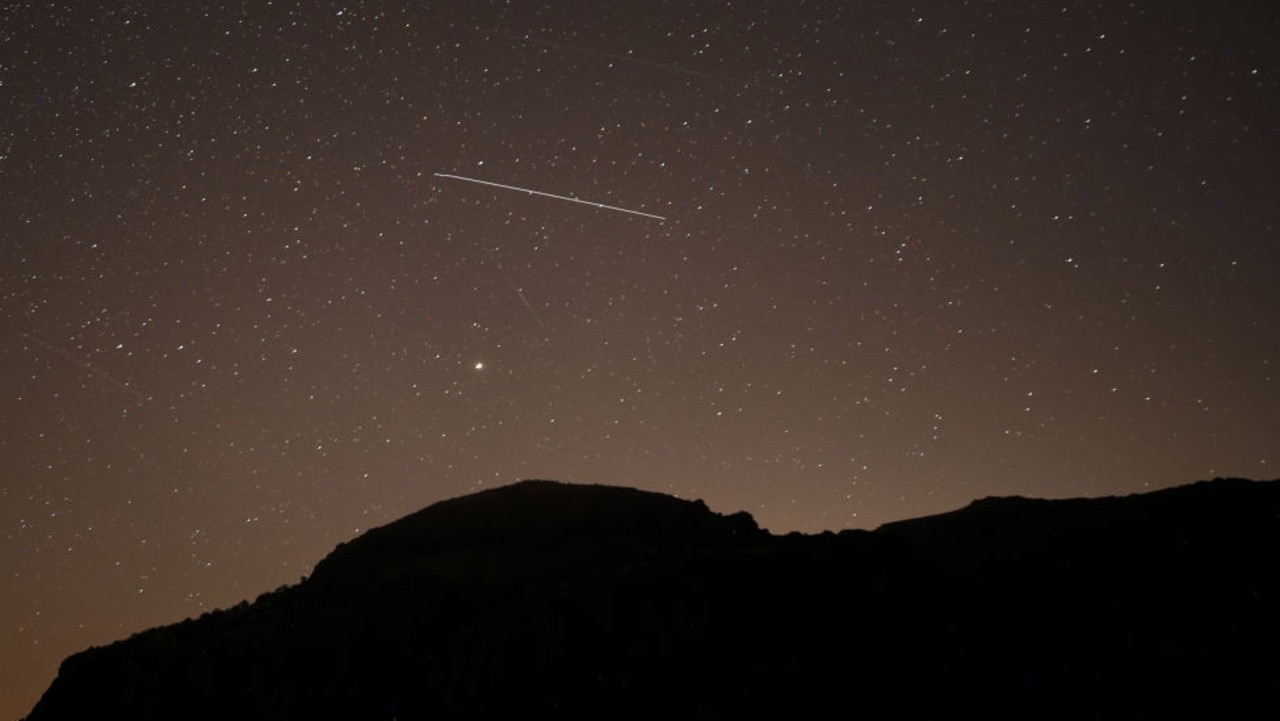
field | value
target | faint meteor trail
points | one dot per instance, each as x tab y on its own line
549	195
514	287
142	397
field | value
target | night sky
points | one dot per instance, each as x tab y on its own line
908	256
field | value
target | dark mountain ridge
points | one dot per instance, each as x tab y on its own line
607	601
519	529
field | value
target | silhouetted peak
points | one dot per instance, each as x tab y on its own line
1220	494
1187	524
531	517
564	600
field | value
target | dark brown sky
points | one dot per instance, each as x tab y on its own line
911	256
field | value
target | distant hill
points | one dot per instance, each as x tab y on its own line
546	598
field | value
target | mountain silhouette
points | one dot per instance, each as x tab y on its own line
549	598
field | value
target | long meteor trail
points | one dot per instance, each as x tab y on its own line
548	195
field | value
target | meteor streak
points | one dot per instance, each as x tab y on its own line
548	195
514	287
142	397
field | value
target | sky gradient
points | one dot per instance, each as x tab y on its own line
881	260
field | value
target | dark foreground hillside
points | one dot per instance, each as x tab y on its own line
571	600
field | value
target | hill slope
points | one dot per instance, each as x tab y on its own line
597	600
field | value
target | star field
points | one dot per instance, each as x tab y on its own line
905	257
